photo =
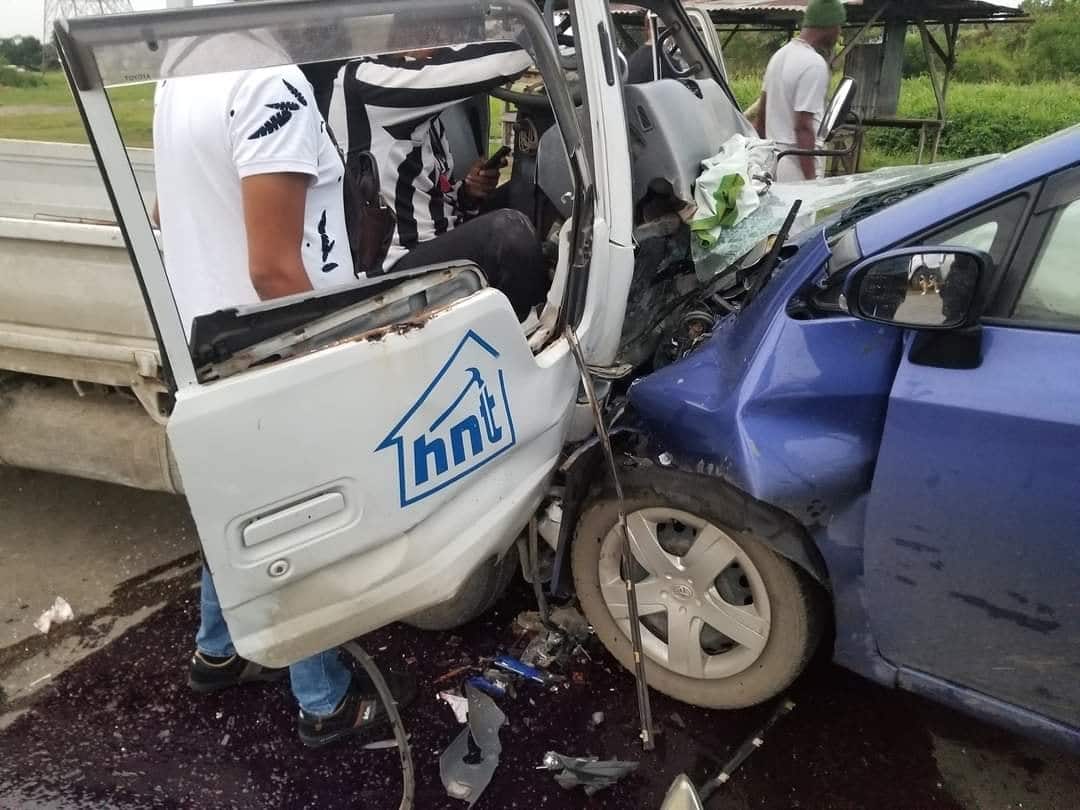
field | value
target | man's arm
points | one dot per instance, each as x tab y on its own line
806	138
809	103
274	223
759	119
431	83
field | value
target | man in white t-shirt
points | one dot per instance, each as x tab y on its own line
250	199
251	208
795	89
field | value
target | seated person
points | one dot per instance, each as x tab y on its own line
391	107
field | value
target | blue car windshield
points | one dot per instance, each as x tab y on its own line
840	232
872	203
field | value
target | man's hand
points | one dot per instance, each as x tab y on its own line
481	182
806	138
758	110
274	221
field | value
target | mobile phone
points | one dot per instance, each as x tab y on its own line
496	160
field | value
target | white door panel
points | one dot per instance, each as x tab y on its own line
424	567
452	420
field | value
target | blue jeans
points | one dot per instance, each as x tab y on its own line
318	683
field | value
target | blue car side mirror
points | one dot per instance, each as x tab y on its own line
918	288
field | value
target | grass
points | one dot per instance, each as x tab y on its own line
984	118
47	113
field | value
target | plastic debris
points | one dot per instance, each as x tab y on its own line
59	613
496	688
572	622
467	780
590	773
568	619
380	745
544	650
597	719
449	676
458	703
528	621
513	665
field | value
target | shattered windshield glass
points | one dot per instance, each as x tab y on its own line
857	196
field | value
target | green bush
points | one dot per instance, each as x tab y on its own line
1053	44
746	89
914	56
749	52
984	63
984	118
11	77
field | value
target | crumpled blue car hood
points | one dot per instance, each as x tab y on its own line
789	411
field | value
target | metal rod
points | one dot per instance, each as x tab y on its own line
648	741
408	774
534	569
752	744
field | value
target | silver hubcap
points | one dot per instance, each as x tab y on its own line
703	606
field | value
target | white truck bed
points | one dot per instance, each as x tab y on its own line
72	314
70	305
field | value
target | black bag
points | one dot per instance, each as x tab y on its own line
370	222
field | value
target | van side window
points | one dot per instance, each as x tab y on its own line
1051	293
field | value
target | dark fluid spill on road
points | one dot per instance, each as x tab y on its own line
121	730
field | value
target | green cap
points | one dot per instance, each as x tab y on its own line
824	14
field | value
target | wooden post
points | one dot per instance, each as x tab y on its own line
850	43
931	47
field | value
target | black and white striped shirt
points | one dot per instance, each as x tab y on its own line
391	107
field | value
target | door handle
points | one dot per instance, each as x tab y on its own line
292	518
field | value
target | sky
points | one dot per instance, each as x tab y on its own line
24	16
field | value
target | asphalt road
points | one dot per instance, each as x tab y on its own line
96	714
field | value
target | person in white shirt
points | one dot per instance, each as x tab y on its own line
251	208
795	89
250	189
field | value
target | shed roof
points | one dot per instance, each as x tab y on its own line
859	11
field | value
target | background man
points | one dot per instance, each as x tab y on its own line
796	86
251	208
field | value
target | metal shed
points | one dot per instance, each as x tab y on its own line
874	46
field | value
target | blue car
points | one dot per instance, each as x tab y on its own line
879	449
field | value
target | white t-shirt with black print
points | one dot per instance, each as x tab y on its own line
211	131
391	105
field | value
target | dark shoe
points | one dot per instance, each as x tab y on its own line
359	713
209	674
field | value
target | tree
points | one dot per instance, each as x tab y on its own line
24	52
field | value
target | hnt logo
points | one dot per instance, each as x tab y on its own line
460	423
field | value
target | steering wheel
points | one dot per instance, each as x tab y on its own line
666	37
533	101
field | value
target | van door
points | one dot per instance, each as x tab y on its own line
705	27
365	478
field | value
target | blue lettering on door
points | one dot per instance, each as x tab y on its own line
460	422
